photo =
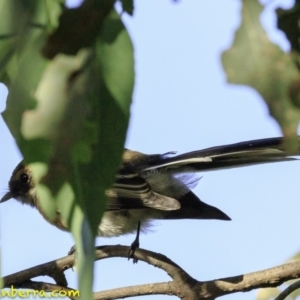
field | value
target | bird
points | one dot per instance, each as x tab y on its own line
157	186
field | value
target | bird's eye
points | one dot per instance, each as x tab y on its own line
24	178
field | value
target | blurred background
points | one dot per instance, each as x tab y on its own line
182	103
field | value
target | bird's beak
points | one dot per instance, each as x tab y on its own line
6	197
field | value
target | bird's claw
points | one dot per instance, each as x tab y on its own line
132	249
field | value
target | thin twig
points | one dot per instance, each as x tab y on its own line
288	290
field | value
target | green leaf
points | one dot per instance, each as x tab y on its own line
7	46
81	152
24	72
52	97
288	22
38	149
71	114
24	26
267	293
128	6
78	28
110	99
254	61
115	55
294	257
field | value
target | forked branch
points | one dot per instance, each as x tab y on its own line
182	285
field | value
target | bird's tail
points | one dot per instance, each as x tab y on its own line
229	156
193	208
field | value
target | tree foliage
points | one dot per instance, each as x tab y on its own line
70	76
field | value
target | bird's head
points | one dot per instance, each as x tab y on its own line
21	186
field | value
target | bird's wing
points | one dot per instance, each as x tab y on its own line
131	191
228	156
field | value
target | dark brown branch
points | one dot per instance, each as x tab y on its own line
155	259
288	290
207	290
183	285
164	288
54	269
266	278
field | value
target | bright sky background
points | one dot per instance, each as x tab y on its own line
182	103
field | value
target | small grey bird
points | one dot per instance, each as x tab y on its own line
151	187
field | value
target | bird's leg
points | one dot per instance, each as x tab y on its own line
135	244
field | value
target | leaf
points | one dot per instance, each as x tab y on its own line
71	114
254	61
294	257
78	28
52	97
43	149
113	78
114	50
87	103
7	46
24	73
267	293
128	6
39	170
24	26
288	22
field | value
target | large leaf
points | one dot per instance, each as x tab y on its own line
70	114
267	293
86	127
288	22
78	27
22	30
23	27
254	61
128	6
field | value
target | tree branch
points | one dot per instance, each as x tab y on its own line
164	288
183	285
54	269
155	259
43	286
266	278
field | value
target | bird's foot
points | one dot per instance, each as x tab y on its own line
133	247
